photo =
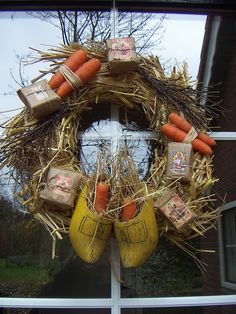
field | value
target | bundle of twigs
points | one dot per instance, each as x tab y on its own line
177	95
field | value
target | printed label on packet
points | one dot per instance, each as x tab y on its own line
62	185
177	211
121	48
178	162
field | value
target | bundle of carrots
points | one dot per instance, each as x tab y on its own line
78	64
178	130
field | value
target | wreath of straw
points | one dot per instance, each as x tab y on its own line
29	147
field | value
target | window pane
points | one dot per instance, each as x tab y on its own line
229	243
221	33
133	120
168	272
224	190
91	151
27	268
140	150
97	120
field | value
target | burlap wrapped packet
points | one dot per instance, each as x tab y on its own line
122	56
40	99
138	237
180	160
61	188
88	231
174	208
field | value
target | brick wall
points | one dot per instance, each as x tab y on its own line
223	72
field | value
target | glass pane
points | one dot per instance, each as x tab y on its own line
220	32
132	120
229	243
225	188
140	151
225	171
27	268
96	121
183	310
168	272
172	272
91	151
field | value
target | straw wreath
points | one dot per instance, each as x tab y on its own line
29	147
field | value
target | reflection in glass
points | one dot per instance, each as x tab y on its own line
96	120
99	128
168	272
140	151
90	151
107	136
28	270
132	120
229	242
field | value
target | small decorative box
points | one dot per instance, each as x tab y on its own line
61	187
40	99
174	208
180	160
122	56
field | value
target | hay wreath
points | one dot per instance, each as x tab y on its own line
30	147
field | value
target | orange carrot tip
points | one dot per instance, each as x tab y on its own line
101	197
88	70
129	208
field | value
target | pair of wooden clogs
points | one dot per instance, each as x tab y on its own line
136	239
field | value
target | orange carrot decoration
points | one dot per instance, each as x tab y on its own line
85	73
184	125
78	58
178	135
101	197
129	208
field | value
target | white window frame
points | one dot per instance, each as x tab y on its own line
224	282
116	303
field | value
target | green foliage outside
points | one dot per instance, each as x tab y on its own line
21	281
22	241
22	274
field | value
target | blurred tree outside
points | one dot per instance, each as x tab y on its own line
81	26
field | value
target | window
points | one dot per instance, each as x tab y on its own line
169	280
227	234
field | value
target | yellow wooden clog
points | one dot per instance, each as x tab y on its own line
88	231
138	237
